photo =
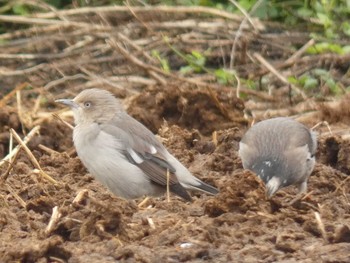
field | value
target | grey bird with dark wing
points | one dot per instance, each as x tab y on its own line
122	153
281	151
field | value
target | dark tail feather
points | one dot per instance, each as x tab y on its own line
206	188
179	190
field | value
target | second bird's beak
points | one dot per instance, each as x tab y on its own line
68	102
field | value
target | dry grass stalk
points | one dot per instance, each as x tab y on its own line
155	72
278	75
220	31
23	116
325	123
36	105
29	136
32	157
43	22
215	138
5	72
218	104
16	196
143	202
151	223
8	96
299	197
82	194
240	29
300	51
56	215
147	9
95	77
321	226
341	185
47	149
57	117
4	176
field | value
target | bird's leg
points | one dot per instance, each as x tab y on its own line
302	188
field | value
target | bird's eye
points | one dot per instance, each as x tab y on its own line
87	104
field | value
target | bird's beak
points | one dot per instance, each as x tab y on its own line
68	102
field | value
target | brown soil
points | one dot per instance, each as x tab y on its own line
197	116
237	225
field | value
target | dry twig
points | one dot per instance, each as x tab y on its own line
321	226
278	75
57	117
56	215
146	9
4	176
29	136
8	96
16	196
32	158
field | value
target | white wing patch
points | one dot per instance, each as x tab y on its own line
267	163
153	149
135	156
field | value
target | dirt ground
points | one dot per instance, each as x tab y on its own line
61	214
237	225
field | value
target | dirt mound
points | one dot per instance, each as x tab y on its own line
188	107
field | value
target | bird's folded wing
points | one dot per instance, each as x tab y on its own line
158	170
303	136
146	156
143	150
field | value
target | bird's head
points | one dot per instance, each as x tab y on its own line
93	106
273	172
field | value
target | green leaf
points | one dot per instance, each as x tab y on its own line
310	83
305	12
224	76
324	19
325	47
197	54
20	9
346	50
293	80
164	62
186	70
346	28
320	72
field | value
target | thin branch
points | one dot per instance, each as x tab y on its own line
300	52
239	31
8	96
29	136
278	75
143	9
32	158
41	21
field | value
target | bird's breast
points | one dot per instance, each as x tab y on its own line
97	148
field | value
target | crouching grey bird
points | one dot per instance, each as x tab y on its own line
281	151
123	154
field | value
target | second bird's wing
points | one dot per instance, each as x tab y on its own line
145	151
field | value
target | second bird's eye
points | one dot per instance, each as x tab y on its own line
87	104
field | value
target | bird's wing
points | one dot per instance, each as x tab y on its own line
145	151
279	134
303	136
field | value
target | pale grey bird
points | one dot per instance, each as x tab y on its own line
281	151
122	153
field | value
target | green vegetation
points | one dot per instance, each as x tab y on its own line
316	78
329	20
